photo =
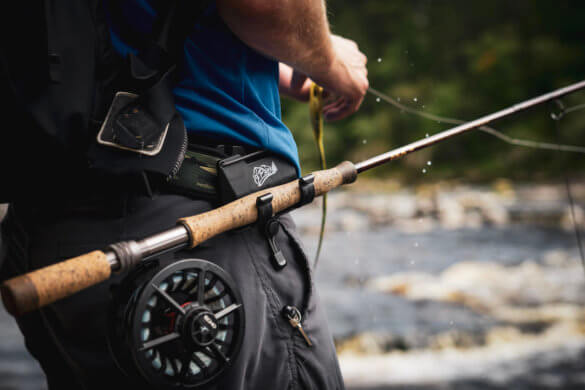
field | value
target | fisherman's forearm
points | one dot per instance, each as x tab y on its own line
295	32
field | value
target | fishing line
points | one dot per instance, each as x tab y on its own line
557	117
558	147
486	129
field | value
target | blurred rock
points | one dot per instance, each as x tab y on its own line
524	293
445	206
506	356
451	212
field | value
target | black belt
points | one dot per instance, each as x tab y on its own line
224	172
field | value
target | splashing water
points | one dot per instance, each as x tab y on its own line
377	100
427	135
379	60
424	170
365	141
415	99
429	163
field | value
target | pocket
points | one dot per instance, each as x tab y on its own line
292	284
289	228
317	366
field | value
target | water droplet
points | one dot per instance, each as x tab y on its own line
365	141
423	106
379	60
416	244
378	100
424	170
415	99
412	262
429	163
427	135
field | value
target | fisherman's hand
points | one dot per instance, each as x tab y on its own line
347	82
293	83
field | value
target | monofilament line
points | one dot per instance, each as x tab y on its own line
486	129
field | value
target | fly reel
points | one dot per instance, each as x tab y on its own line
181	325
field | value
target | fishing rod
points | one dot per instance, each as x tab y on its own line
38	288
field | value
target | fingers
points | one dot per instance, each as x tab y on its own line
341	105
336	110
346	84
351	82
340	109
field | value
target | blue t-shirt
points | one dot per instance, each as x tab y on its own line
227	90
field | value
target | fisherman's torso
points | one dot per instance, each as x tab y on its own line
227	91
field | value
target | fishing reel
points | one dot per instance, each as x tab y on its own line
179	326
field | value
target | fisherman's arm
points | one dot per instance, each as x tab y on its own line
296	32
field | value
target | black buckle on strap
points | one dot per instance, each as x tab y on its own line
264	205
307	187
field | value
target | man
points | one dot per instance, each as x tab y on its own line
236	60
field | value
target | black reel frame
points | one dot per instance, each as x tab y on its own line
179	326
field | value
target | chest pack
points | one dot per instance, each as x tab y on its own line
72	103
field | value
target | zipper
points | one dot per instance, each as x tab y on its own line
179	161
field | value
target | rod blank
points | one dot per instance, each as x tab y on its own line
426	142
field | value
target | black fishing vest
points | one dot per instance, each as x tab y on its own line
71	103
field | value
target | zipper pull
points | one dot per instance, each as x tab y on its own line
293	315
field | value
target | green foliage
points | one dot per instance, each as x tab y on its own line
459	59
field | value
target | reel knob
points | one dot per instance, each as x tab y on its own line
199	327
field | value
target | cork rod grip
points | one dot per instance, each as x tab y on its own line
46	285
243	211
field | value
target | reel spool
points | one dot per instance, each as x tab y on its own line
181	325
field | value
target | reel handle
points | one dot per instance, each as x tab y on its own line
38	288
243	211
